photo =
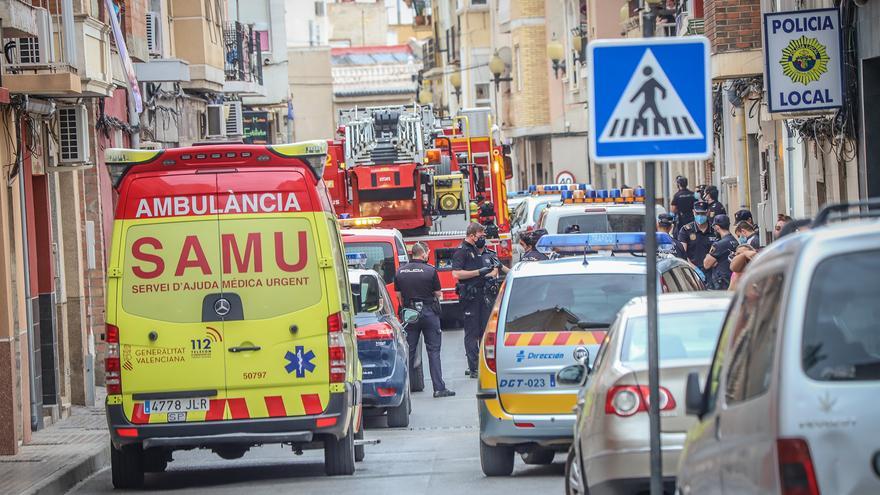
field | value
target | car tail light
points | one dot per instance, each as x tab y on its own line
336	347
325	422
490	339
127	432
626	400
375	332
112	368
796	473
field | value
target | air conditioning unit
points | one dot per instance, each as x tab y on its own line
234	119
39	49
73	135
215	121
154	33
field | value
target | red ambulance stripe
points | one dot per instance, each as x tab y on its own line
215	410
562	338
537	338
238	409
312	404
275	406
510	340
138	416
599	336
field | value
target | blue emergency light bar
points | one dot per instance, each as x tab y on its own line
356	260
573	244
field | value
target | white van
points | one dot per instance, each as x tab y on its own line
790	404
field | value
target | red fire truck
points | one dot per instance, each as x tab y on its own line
401	167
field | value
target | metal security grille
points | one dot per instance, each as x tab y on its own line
29	51
67	134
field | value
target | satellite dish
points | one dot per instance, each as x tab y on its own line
506	55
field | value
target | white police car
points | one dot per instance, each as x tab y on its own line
548	315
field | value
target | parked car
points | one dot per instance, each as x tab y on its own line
611	449
547	313
382	349
790	404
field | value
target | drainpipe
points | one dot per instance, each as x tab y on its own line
69	32
36	422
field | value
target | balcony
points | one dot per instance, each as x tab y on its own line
38	66
244	61
93	55
19	19
198	39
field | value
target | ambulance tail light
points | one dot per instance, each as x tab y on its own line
796	472
336	347
627	400
112	368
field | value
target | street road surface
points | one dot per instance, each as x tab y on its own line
438	454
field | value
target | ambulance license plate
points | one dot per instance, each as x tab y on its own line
176	405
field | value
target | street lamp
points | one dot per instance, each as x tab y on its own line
556	53
455	81
497	67
426	97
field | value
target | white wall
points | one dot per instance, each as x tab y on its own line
299	17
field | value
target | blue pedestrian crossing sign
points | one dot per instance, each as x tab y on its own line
650	99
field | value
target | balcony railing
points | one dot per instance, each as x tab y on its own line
244	60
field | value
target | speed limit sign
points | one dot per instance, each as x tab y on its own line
565	177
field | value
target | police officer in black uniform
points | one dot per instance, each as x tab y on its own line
418	287
528	241
682	205
471	268
715	208
718	259
665	222
697	237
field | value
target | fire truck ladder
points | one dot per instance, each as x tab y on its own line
386	135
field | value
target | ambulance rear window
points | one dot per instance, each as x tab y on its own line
170	266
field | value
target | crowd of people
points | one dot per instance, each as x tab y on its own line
703	233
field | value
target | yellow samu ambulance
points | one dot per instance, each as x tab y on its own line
229	316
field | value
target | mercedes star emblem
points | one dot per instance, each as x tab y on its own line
221	307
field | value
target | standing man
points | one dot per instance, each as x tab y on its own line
418	287
682	205
718	259
697	237
471	268
665	222
746	234
715	206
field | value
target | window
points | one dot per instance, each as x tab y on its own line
754	339
689	335
714	379
557	303
517	65
481	95
601	222
319	9
841	341
380	257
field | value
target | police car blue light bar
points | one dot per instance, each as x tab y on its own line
356	260
592	243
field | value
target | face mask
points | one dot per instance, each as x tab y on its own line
697	196
701	219
743	239
481	242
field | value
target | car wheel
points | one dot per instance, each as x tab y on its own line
339	455
398	417
417	380
539	456
496	461
359	450
127	466
575	483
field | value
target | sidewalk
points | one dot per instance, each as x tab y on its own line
59	456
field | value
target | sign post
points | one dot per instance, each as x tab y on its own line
649	99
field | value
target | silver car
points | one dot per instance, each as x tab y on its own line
791	403
611	449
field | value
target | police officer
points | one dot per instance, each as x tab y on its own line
682	205
697	237
418	287
718	259
665	222
470	267
715	208
528	241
